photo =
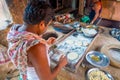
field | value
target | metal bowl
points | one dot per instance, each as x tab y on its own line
108	50
97	59
89	32
96	69
47	35
62	28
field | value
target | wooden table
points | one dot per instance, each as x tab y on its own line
100	40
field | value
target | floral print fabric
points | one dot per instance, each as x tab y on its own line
19	43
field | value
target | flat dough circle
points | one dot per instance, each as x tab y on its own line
69	41
72	56
79	43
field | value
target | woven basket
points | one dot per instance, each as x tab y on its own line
106	50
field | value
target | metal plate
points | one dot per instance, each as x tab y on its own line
101	59
96	69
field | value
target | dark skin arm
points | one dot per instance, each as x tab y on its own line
38	57
97	8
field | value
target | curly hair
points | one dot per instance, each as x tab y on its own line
36	11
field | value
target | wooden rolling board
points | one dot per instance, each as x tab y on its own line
81	59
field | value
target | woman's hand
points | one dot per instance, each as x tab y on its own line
62	61
91	22
51	40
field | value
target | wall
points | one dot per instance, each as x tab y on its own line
5	16
111	10
16	8
81	7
